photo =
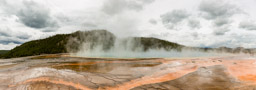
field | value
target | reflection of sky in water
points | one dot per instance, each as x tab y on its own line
103	67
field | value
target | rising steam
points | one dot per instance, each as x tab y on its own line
101	43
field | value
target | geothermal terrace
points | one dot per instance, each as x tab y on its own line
64	72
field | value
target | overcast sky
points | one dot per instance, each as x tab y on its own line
200	23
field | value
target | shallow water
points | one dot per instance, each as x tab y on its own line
102	67
150	54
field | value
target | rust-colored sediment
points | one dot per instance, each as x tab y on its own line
248	78
124	86
243	70
152	79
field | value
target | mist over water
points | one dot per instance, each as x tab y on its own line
129	48
105	44
147	54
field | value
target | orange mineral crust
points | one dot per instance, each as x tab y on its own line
153	79
244	70
122	74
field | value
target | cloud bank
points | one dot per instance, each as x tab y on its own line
191	23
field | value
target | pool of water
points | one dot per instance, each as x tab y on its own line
102	67
150	54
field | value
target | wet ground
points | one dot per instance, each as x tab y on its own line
63	72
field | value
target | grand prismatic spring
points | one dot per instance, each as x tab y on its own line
127	45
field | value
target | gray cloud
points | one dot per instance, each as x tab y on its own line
113	7
221	30
213	9
9	36
10	39
23	36
153	21
247	25
221	22
90	25
4	33
170	19
236	40
35	16
219	12
192	23
146	1
6	42
30	13
174	16
221	26
195	35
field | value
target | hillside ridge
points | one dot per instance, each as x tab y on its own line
71	43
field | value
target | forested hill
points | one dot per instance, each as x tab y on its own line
51	45
3	52
65	43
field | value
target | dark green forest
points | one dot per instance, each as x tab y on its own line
50	45
3	52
